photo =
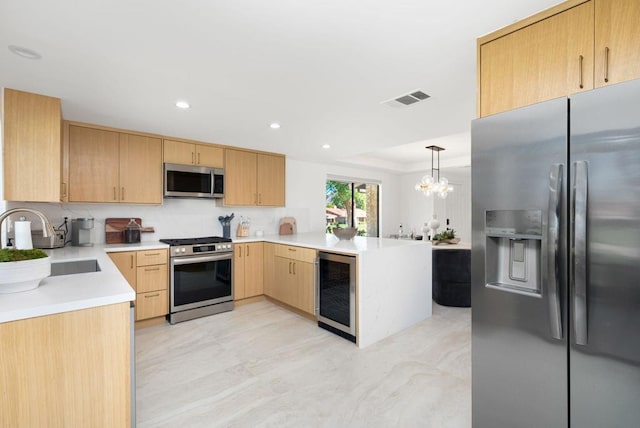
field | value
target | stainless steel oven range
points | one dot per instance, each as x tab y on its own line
201	277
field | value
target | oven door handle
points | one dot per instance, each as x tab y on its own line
200	259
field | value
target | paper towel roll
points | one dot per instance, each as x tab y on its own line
23	235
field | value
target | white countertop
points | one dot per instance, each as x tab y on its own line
329	242
65	293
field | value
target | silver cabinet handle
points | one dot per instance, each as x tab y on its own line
294	268
316	290
551	265
606	64
579	253
289	268
247	254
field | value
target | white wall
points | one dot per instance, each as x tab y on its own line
305	191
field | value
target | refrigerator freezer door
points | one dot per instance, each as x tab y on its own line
605	347
519	354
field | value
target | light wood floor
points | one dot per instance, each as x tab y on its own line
263	366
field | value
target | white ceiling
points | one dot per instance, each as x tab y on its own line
321	68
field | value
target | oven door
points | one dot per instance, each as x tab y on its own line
201	280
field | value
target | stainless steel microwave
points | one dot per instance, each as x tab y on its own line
190	181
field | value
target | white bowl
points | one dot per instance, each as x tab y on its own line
23	275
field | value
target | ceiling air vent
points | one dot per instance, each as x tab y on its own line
407	99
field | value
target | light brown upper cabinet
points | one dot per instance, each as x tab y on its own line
32	147
617	41
254	178
193	154
547	59
109	166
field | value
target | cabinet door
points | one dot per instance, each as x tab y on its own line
268	267
209	156
271	180
70	369
304	279
284	288
125	261
253	269
240	178
94	163
538	62
31	147
140	169
179	152
238	272
617	41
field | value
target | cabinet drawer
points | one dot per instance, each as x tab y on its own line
296	253
151	278
151	305
152	257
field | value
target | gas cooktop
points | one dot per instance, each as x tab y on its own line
196	241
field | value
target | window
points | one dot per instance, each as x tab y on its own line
353	204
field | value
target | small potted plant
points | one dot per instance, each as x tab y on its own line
446	237
22	270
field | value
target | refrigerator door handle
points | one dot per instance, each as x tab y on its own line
552	263
579	253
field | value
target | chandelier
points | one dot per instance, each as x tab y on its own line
431	184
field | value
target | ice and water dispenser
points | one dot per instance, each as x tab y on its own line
513	251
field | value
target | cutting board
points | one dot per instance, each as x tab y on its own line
114	229
287	226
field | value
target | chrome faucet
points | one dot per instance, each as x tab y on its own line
47	228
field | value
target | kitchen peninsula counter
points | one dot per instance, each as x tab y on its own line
64	293
329	242
393	279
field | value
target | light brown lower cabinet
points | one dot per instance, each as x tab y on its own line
152	304
67	370
248	277
148	273
293	280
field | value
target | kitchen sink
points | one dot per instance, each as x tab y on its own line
77	266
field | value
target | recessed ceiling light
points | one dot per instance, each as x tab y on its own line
182	104
24	52
275	125
326	146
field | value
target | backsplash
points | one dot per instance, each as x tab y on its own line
176	218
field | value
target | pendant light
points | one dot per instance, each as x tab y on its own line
431	184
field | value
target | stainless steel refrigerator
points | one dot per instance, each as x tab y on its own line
556	263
